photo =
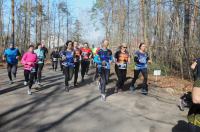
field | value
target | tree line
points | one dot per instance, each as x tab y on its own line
170	28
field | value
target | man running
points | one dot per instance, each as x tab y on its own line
141	60
11	55
103	59
77	60
85	62
40	63
54	58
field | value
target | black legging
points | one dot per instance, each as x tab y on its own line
145	75
68	72
76	70
104	73
84	67
61	66
29	77
55	65
121	74
12	69
38	73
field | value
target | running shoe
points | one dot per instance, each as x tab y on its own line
67	88
25	83
29	92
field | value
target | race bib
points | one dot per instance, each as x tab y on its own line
33	70
122	66
55	59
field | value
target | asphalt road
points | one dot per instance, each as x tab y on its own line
52	109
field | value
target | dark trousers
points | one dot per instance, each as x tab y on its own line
96	75
54	65
104	74
68	72
144	74
84	67
116	70
121	77
61	66
38	73
76	70
193	128
12	69
29	77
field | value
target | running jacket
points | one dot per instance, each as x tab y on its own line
11	54
69	58
104	55
40	55
86	52
141	60
122	59
55	54
29	57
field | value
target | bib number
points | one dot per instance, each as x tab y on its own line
33	70
55	59
122	66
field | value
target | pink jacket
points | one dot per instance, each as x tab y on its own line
29	57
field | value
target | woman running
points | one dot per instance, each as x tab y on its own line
40	63
122	59
29	60
85	63
103	60
68	63
141	59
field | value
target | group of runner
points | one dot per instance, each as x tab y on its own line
73	56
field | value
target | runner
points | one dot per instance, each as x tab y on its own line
76	62
44	48
29	60
194	112
55	57
141	60
11	55
68	63
40	63
85	62
103	59
122	59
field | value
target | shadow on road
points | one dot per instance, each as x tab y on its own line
13	88
30	105
49	126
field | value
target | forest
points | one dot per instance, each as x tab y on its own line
170	28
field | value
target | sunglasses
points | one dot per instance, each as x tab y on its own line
124	47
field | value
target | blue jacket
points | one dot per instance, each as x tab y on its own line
69	58
141	60
104	55
11	55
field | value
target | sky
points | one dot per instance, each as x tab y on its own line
80	9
